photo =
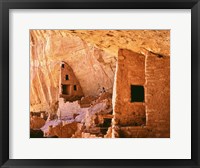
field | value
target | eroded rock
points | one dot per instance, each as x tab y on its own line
62	131
36	122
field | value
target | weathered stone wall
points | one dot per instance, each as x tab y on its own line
70	89
135	132
130	71
153	72
158	94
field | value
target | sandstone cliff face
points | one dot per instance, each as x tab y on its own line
91	54
157	41
93	67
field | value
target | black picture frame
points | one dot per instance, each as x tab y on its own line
5	5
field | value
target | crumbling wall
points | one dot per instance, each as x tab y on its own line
158	94
130	71
153	72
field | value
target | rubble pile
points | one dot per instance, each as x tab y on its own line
89	117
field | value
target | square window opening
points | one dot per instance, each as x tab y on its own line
137	93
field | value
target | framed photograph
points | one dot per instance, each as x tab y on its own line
99	83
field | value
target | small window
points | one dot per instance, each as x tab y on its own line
75	87
63	65
67	77
137	93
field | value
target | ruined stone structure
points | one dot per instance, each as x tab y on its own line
70	88
142	95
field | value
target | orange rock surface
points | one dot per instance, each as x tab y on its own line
36	122
91	54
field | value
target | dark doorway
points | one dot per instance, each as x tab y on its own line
63	65
137	93
66	89
107	122
75	87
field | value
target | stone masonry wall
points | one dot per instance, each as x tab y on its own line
131	71
72	84
153	72
158	94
